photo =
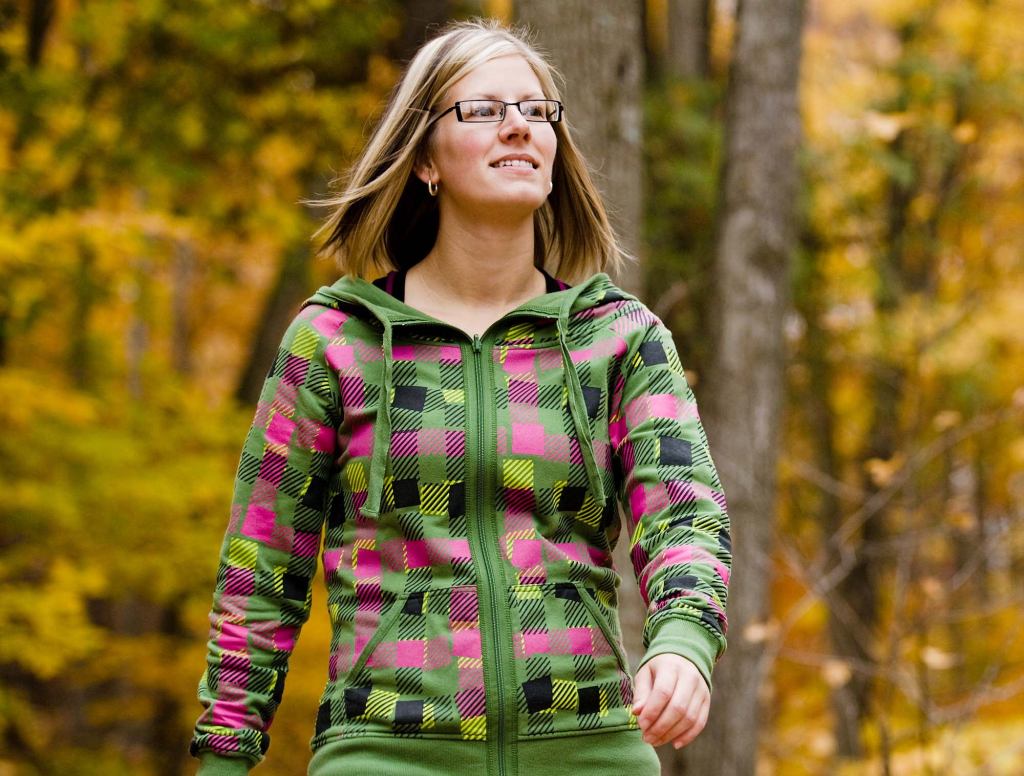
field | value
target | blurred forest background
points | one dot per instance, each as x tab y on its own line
826	198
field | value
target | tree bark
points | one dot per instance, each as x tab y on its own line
183	278
136	332
600	53
689	34
420	18
80	364
292	286
40	19
755	237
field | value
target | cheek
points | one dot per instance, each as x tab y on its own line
548	145
468	152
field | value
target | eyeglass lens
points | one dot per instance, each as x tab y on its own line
494	110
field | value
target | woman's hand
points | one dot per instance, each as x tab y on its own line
671	700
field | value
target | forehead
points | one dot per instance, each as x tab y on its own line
509	77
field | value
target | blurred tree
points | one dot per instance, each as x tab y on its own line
420	18
682	149
755	238
600	53
292	285
681	146
688	54
40	16
925	167
900	510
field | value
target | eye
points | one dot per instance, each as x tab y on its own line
482	109
534	109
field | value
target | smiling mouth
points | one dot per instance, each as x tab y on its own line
520	164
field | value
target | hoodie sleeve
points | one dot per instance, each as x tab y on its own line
268	556
675	508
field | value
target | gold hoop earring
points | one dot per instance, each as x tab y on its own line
432	188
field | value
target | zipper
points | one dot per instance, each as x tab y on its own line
485	540
488	541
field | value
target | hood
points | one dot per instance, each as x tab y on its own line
391	312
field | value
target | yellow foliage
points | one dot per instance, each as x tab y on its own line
965	132
947	419
27	397
382	72
886	126
937	659
882	471
758	632
500	9
990	747
46	628
836	672
280	157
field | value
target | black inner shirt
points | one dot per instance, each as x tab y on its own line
394	283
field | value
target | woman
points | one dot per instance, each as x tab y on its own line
462	429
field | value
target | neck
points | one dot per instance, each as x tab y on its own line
459	269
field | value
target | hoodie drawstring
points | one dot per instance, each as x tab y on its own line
577	408
382	426
381	430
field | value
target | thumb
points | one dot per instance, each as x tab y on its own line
643	687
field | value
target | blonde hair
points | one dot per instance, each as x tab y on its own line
383	217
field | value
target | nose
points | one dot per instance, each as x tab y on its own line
514	121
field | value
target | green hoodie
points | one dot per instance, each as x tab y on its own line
466	489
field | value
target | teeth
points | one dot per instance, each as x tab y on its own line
514	163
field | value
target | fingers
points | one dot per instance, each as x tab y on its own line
674	719
693	731
694	719
656	699
642	687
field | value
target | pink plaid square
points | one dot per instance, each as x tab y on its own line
466	643
409	654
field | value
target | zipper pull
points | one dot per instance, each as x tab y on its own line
477	343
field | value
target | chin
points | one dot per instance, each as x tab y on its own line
512	207
508	206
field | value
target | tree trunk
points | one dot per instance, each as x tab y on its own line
688	54
600	53
292	286
80	365
420	18
136	332
40	19
183	272
743	397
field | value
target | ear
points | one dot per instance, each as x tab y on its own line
424	168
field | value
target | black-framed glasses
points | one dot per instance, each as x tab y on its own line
484	111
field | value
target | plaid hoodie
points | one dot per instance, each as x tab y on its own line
466	490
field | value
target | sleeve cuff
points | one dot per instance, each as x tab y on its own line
687	639
211	764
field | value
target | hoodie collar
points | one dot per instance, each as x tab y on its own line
391	312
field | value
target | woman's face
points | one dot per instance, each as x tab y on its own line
463	157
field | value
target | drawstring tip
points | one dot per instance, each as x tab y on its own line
371	508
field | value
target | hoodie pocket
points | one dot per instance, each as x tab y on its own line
571	670
421	672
